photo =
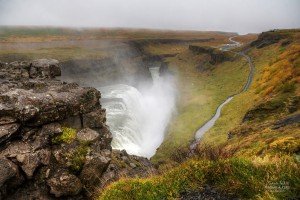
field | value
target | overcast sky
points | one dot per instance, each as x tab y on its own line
241	16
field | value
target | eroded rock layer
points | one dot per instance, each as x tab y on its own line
54	141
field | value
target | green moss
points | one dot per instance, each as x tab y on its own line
67	136
77	158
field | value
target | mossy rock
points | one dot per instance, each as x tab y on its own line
78	157
68	135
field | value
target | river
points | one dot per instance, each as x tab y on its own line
211	122
138	119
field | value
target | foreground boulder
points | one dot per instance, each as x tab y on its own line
64	184
54	140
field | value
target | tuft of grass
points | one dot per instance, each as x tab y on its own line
286	144
77	158
76	154
247	180
67	136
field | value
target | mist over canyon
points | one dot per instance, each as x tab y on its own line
147	114
138	119
137	91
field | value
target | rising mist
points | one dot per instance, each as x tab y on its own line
138	119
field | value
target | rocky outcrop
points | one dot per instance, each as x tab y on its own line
124	165
64	184
54	139
140	44
123	67
268	38
293	119
216	56
42	68
271	108
150	60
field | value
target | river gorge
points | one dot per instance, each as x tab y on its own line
138	119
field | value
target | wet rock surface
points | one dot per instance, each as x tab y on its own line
54	140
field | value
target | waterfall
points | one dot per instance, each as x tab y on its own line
138	119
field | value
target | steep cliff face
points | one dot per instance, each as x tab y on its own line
53	136
269	38
216	56
119	68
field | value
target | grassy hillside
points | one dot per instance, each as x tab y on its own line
273	95
26	33
236	177
19	43
97	57
252	152
202	86
200	93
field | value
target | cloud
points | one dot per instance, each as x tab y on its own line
223	15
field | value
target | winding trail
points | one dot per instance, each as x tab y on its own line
210	123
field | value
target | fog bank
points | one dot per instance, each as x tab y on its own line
241	16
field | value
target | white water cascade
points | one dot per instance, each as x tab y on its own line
138	120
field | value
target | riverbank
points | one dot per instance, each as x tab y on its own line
265	61
202	91
210	123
